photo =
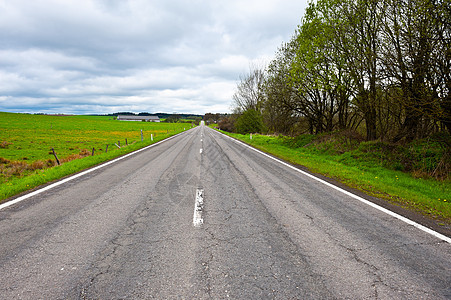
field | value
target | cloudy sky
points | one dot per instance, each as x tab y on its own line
104	56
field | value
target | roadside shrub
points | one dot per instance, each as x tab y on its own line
226	124
250	121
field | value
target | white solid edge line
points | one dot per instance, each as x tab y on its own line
380	208
198	207
24	197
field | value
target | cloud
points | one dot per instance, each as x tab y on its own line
104	56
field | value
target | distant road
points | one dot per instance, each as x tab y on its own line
202	217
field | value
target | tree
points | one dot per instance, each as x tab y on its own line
361	48
249	122
417	61
249	93
318	71
385	64
279	113
173	119
212	118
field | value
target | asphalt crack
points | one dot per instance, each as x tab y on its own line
118	246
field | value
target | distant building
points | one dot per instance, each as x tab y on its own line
138	118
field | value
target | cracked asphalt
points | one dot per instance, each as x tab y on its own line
126	232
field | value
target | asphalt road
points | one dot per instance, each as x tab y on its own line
263	231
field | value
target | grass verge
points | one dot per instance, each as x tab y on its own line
425	195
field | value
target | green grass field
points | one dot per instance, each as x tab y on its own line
426	195
26	142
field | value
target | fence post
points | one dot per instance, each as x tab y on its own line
251	136
151	137
56	157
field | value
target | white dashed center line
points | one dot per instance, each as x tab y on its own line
198	208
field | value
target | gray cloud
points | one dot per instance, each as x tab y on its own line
77	56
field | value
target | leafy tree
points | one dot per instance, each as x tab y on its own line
380	66
320	72
249	122
417	62
212	118
279	109
361	48
173	119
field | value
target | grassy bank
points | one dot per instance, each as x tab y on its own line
26	142
363	166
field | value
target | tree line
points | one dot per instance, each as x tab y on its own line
379	67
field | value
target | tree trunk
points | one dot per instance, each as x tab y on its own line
370	121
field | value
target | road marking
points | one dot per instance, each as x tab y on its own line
200	151
380	208
198	208
24	197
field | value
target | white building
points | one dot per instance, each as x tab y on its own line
138	118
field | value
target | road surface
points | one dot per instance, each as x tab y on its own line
202	217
